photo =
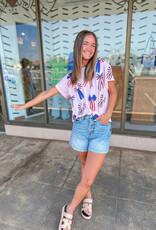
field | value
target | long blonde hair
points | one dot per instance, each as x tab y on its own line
77	58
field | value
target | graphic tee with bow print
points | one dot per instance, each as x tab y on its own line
88	98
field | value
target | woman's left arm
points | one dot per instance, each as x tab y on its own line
112	97
104	118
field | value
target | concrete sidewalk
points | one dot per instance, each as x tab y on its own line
37	177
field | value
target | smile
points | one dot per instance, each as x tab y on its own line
88	53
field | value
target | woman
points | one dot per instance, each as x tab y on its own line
28	85
27	80
91	88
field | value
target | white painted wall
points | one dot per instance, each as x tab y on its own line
121	141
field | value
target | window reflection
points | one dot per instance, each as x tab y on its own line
60	105
30	66
141	98
20	61
27	80
59	29
60	25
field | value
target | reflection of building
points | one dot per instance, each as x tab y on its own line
59	27
149	56
60	105
117	57
59	68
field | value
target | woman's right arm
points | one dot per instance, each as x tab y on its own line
39	98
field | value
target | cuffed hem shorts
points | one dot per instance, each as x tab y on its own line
88	134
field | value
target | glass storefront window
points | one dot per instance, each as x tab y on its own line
61	23
20	59
141	99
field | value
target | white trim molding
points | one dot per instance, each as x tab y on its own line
117	140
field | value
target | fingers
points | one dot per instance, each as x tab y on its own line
103	119
14	106
98	118
17	107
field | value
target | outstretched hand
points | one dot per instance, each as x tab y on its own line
18	107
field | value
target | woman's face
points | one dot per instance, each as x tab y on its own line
88	49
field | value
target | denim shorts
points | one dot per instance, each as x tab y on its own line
88	134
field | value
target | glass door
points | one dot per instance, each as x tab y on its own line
20	60
60	24
141	98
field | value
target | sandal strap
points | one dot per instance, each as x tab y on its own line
87	207
66	219
67	215
66	223
87	200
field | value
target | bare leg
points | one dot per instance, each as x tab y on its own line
93	164
83	157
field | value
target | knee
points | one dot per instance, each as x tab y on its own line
87	182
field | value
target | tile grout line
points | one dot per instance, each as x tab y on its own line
14	225
60	189
13	146
136	201
47	213
23	168
69	172
105	195
116	209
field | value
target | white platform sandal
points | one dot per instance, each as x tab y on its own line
86	206
66	219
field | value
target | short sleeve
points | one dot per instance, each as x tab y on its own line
63	86
107	70
109	74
